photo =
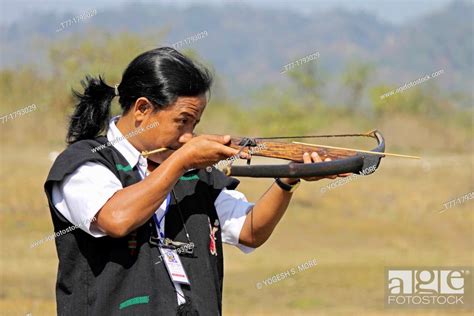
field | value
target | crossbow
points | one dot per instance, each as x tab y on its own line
343	160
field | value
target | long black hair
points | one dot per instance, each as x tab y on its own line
161	75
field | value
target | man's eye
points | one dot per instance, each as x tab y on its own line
183	121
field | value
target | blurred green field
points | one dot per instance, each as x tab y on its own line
354	231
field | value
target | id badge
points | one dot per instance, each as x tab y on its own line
173	265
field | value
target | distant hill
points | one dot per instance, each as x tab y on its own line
248	47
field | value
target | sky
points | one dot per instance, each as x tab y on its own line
394	11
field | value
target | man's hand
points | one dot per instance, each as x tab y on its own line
205	150
314	157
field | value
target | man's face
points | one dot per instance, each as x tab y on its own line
176	125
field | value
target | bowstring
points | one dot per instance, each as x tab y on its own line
369	134
240	151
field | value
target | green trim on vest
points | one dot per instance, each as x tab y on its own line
121	167
135	301
188	178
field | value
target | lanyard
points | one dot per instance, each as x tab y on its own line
158	221
166	242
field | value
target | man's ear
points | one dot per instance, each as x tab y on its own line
141	107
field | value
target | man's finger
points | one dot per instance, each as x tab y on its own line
315	157
244	155
232	152
343	175
306	158
185	138
313	178
229	152
223	139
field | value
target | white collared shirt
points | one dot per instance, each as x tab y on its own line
85	191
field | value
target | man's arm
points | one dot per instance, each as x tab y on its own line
132	206
269	209
265	215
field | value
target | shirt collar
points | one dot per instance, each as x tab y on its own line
121	144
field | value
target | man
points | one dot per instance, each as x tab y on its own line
151	228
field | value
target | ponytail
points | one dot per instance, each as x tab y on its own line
161	75
92	111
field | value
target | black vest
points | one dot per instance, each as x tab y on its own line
119	276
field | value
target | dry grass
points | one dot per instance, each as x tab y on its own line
354	232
